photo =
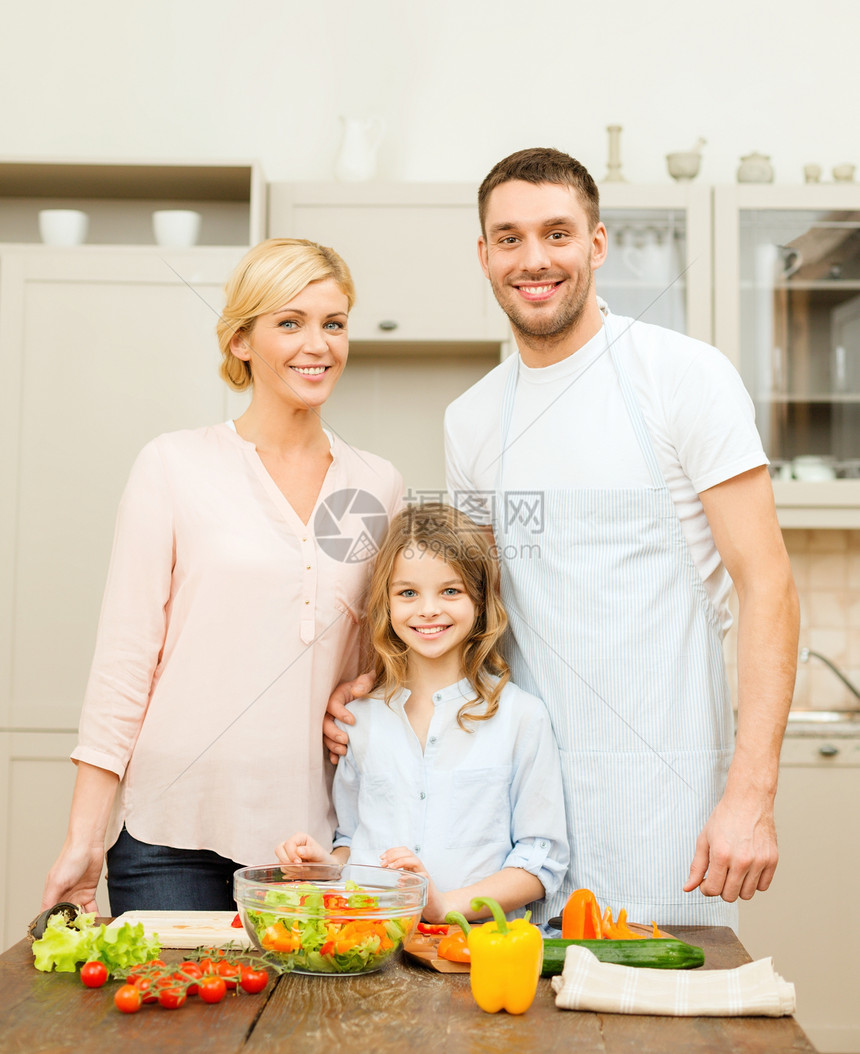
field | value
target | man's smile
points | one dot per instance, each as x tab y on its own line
536	292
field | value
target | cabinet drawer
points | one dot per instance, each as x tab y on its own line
821	751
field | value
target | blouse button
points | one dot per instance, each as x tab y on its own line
307	602
422	795
417	848
432	739
308	567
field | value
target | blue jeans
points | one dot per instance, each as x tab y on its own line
143	877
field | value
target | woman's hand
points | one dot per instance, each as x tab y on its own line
74	877
77	870
403	859
334	739
302	849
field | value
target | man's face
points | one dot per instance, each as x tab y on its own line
539	253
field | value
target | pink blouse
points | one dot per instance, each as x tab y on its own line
226	623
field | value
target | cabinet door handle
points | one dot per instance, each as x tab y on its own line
827	750
387	325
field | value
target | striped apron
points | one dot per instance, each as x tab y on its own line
612	627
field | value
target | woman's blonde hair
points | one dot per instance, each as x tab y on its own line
447	533
266	279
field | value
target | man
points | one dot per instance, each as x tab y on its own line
620	469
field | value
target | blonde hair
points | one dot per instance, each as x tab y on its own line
449	534
266	279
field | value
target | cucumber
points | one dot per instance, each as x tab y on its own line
657	953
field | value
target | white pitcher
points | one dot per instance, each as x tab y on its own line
357	158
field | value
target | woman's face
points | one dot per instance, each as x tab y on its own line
297	353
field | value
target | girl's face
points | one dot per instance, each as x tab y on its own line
431	612
298	352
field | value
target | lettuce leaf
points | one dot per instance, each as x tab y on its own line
63	946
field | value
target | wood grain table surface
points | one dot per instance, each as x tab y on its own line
404	1007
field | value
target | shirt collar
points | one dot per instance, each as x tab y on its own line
461	690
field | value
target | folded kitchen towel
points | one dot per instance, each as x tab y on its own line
588	984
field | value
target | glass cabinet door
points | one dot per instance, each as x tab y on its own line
800	337
657	267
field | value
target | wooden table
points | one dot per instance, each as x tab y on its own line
403	1008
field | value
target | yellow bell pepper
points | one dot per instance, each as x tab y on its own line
506	961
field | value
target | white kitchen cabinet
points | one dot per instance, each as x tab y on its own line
787	312
412	251
102	349
807	921
425	325
120	197
658	268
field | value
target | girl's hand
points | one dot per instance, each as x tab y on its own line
302	849
404	859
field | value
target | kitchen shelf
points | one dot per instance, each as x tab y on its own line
120	198
831	503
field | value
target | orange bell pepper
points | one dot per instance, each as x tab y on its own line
580	920
619	931
454	945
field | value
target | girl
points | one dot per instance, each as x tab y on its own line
448	762
226	623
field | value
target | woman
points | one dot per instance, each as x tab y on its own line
231	610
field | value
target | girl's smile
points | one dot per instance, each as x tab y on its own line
431	612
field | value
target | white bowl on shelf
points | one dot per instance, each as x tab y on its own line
63	226
176	228
810	469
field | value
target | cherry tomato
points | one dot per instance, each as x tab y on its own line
212	988
171	998
127	999
186	972
252	980
147	988
94	974
230	971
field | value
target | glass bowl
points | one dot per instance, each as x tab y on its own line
324	919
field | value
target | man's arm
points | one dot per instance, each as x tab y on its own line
736	853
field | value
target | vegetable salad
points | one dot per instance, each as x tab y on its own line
306	933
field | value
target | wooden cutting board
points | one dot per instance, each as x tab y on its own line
188	929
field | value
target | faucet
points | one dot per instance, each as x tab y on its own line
807	653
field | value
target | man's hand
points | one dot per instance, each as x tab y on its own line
736	853
302	849
404	859
335	741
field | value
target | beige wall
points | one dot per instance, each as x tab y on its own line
460	83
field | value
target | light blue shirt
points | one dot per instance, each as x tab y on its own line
470	804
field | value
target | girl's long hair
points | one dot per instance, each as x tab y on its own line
447	533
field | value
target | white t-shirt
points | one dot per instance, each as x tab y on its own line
571	429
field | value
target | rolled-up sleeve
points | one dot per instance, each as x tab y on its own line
538	826
133	619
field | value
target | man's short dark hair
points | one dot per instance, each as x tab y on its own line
543	164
